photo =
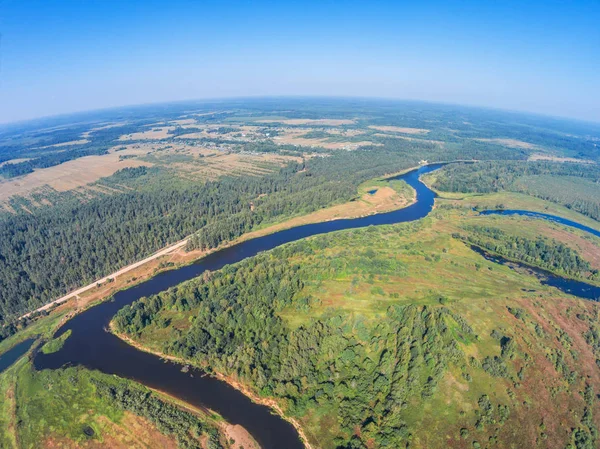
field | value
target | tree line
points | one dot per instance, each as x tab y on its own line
62	247
168	419
496	176
541	252
331	363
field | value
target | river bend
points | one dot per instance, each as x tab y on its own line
90	345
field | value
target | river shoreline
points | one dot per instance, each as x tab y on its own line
94	347
271	403
195	256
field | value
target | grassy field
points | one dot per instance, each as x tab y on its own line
56	344
44	327
63	409
517	379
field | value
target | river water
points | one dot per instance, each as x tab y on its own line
92	346
570	286
15	353
554	218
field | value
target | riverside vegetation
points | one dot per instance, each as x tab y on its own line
399	336
393	337
75	407
54	241
576	186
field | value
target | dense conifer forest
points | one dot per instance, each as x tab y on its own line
56	249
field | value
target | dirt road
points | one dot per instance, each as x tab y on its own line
114	275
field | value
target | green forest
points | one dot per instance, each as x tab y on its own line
76	403
339	330
56	249
576	186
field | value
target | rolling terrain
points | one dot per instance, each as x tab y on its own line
394	336
390	336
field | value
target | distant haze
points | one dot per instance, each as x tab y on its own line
66	56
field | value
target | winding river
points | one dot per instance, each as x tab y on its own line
554	218
92	346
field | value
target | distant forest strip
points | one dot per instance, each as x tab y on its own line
576	186
43	256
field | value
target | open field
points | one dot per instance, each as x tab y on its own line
548	157
15	161
66	144
410	139
400	129
296	136
151	134
316	122
208	163
86	134
132	432
184	122
69	175
511	143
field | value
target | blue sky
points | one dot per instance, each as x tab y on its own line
66	56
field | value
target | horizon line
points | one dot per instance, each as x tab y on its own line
5	124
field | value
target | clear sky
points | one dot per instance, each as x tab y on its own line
73	55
